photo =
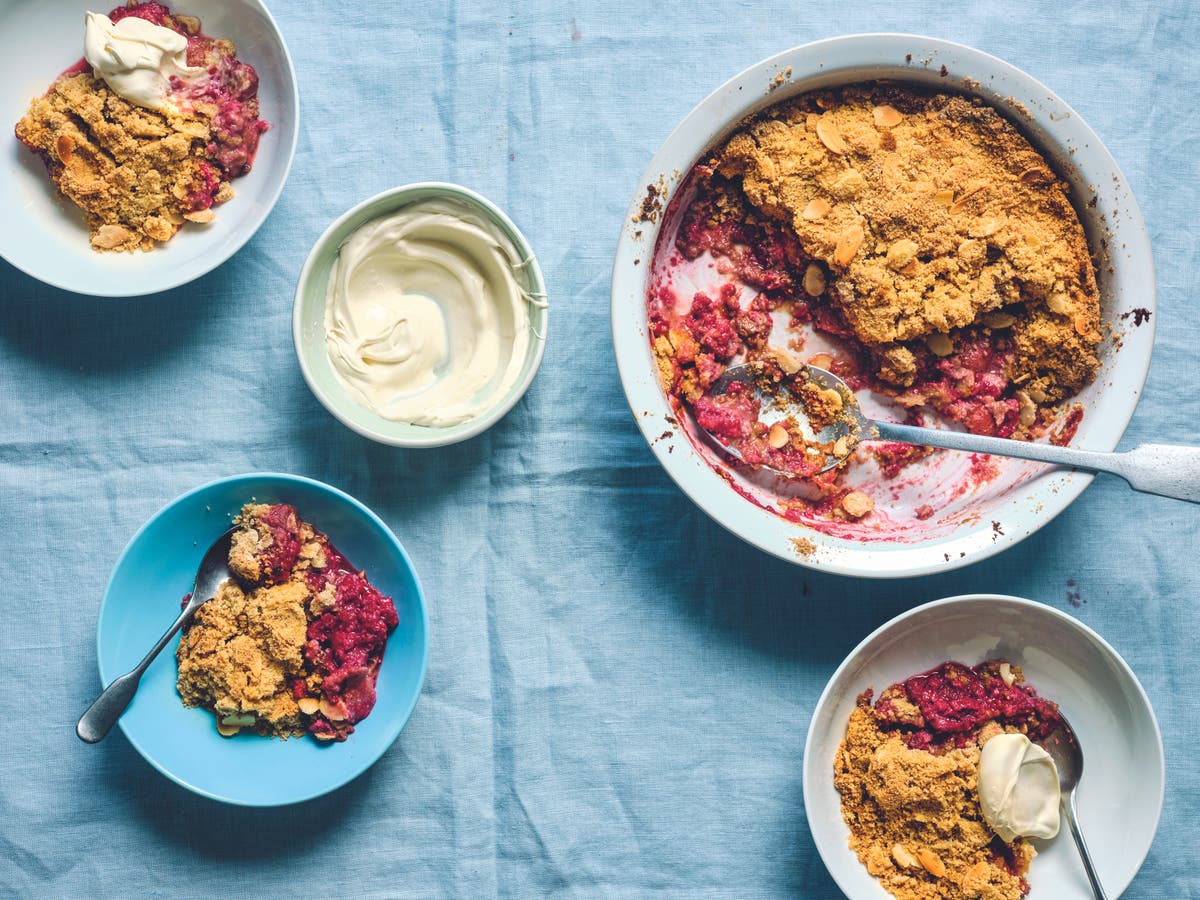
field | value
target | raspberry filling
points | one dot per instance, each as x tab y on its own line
231	87
953	701
346	641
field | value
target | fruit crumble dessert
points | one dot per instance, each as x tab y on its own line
909	776
291	644
918	234
148	130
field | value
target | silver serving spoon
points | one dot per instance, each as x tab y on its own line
1166	469
1064	749
102	715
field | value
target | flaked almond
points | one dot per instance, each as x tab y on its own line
65	146
985	226
158	228
932	862
200	215
241	721
321	736
901	253
841	447
961	203
848	244
939	344
814	280
857	504
224	193
1059	302
818	208
887	116
944	198
190	24
1006	673
998	319
109	237
227	730
332	711
1036	175
308	705
778	436
787	362
903	857
1028	412
821	361
1082	326
827	131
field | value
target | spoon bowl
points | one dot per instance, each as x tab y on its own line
1164	469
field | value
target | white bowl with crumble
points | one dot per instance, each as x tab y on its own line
916	730
932	225
147	142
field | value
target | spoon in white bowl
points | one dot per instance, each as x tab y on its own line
1064	749
103	714
1166	469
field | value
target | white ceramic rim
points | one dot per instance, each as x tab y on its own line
811	774
537	346
217	259
861	57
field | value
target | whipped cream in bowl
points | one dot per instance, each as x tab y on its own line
420	316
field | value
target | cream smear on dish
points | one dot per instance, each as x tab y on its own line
427	314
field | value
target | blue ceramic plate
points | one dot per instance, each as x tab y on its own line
142	599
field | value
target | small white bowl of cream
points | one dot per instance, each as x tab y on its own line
420	316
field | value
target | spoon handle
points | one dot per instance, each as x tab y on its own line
1068	807
1164	469
102	715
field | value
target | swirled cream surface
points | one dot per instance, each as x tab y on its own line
139	59
427	316
1018	788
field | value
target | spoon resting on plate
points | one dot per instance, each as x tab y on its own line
1165	469
103	714
1064	749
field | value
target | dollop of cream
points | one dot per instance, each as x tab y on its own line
427	314
1018	788
138	59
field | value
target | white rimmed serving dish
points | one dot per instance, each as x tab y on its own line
1120	796
1024	496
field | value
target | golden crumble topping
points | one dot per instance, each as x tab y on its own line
915	820
929	212
131	170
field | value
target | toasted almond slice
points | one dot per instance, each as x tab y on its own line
308	705
998	320
821	361
1028	411
109	237
227	730
64	145
857	504
333	712
778	437
827	131
944	198
814	280
841	446
1059	302
1082	326
787	362
200	215
939	344
887	116
932	862
1006	673
901	253
848	244
903	857
241	721
818	208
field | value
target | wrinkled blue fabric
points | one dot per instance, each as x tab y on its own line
618	689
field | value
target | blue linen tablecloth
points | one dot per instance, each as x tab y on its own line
618	690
